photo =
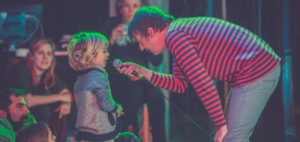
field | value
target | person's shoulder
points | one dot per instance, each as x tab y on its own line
101	72
6	131
94	73
5	123
94	78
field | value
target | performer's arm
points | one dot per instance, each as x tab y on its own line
183	48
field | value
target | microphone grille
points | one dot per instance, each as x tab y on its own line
117	63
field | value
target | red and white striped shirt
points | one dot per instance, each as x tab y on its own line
209	48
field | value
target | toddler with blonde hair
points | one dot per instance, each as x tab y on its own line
97	110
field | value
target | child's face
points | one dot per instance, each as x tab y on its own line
102	57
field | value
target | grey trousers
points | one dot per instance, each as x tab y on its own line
246	105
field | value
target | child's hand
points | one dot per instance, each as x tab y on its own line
119	111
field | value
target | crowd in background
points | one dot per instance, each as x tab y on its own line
47	101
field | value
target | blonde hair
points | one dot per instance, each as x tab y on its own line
83	48
49	76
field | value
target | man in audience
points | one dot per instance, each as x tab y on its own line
13	113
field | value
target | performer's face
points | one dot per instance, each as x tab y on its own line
154	42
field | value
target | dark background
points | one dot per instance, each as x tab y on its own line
70	16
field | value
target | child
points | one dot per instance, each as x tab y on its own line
97	110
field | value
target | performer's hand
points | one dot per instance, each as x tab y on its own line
220	134
131	69
134	78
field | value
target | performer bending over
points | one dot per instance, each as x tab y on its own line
203	49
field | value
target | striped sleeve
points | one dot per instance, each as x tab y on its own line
173	82
183	48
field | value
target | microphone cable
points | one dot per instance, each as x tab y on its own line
186	116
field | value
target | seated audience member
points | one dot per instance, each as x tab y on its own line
38	132
13	112
47	96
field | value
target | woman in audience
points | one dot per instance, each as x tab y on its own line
47	96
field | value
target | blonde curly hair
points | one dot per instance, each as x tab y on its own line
83	49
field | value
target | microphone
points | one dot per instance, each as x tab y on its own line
117	63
